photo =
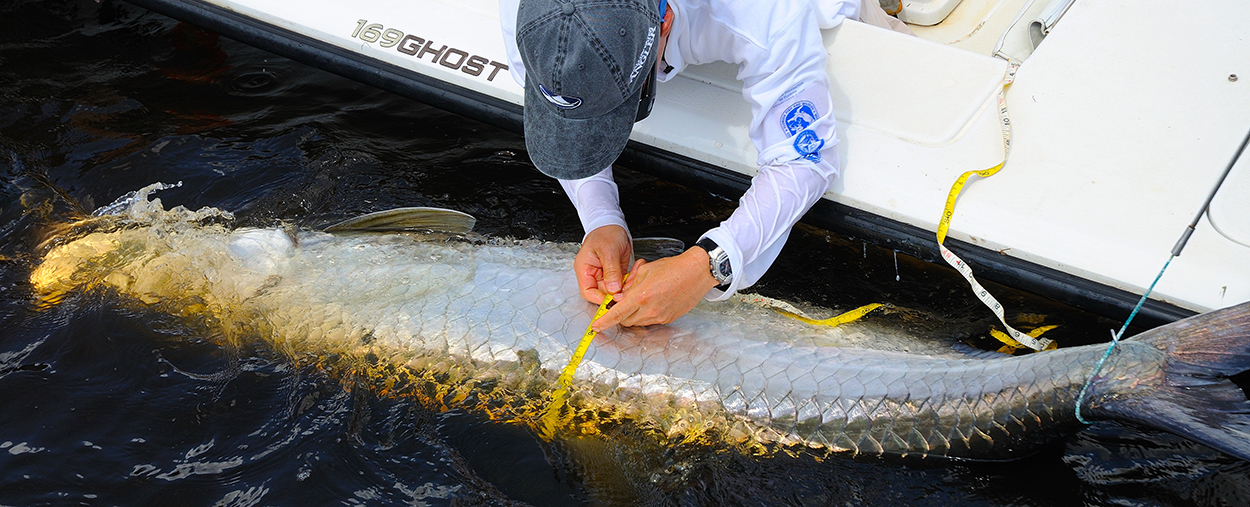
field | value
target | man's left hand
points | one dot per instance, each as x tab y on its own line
659	292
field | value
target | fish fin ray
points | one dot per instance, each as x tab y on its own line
653	249
408	219
1213	421
1216	343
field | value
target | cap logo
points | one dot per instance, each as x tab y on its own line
560	101
642	57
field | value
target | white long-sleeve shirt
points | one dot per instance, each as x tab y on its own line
782	58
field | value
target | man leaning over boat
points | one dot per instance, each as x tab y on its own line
589	69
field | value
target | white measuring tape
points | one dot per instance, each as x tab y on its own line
954	260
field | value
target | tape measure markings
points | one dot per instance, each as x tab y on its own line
962	267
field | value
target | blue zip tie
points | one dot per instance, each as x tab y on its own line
1115	340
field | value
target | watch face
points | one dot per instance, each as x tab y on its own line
719	260
721	269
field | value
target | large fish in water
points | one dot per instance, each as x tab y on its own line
489	323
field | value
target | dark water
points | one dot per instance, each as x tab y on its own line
102	403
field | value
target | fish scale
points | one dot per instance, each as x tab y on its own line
471	310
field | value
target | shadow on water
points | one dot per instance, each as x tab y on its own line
108	404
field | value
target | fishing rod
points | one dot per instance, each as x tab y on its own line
1189	231
1176	252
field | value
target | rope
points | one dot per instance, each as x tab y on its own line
1176	251
1115	340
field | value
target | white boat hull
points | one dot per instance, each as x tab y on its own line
1119	134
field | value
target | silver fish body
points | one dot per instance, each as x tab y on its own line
502	309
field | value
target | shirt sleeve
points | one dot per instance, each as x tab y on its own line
507	22
793	129
597	200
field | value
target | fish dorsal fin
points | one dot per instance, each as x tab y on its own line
657	248
408	219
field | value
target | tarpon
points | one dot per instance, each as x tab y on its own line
489	323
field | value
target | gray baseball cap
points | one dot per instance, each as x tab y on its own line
585	63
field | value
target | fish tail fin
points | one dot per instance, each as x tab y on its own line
1193	395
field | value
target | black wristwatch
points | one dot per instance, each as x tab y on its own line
718	260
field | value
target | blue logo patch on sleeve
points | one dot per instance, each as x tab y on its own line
798	116
808	144
794	121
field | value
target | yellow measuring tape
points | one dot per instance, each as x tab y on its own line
1012	338
560	397
1010	345
850	316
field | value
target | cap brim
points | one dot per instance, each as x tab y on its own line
571	149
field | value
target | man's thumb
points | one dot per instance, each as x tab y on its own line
612	274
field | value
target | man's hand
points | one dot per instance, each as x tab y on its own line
659	292
601	262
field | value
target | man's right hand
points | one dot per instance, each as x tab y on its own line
602	262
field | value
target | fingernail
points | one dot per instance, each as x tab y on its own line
614	287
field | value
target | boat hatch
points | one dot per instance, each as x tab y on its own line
1230	210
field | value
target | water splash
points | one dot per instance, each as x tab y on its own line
127	202
136	207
